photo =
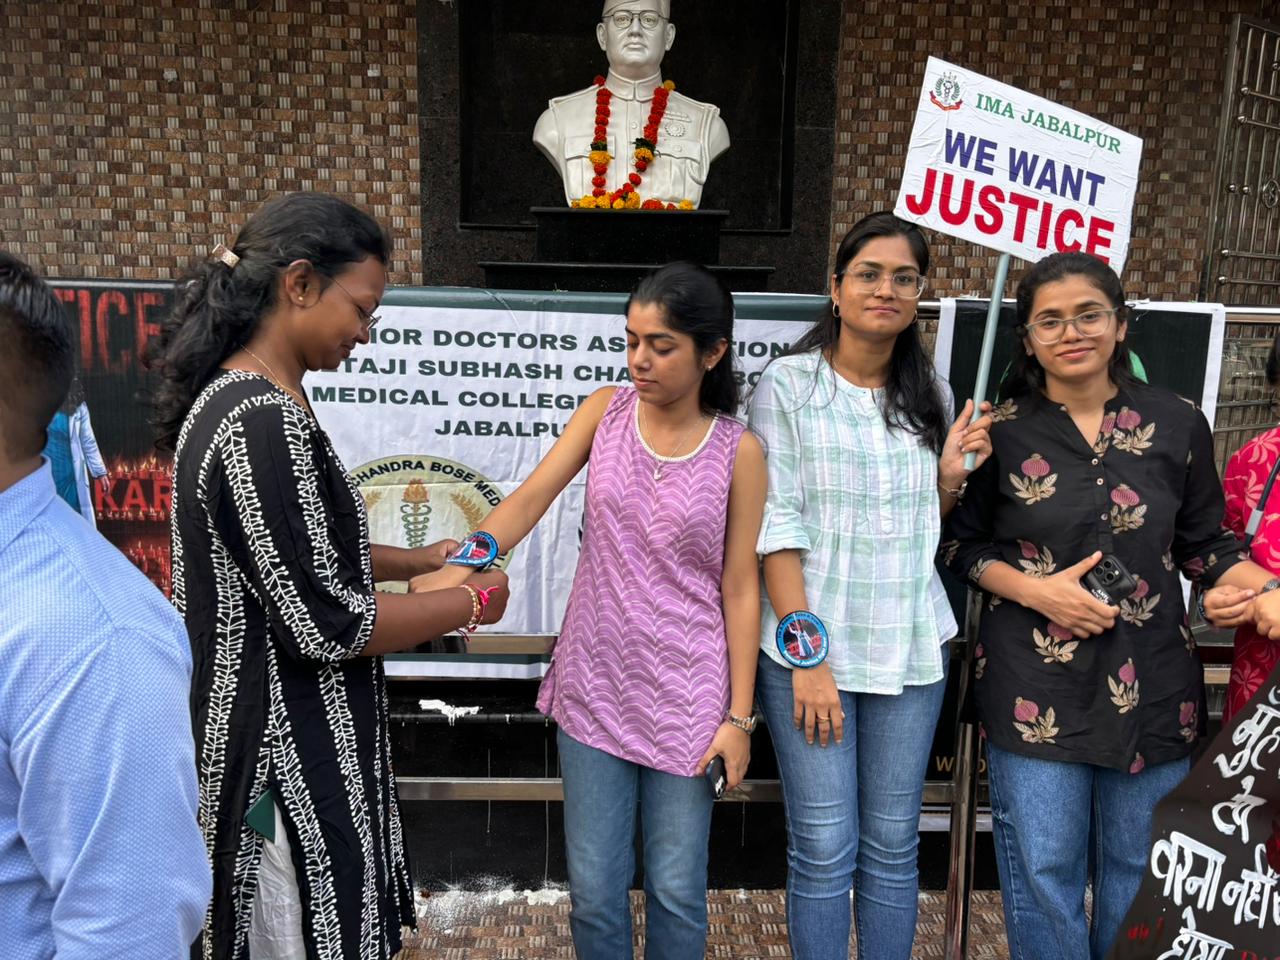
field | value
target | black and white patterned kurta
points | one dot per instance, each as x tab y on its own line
273	574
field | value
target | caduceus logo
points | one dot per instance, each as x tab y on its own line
946	93
415	512
416	499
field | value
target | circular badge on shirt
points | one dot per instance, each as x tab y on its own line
478	551
802	639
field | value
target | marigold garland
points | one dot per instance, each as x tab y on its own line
625	197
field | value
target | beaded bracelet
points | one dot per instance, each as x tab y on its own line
477	611
479	603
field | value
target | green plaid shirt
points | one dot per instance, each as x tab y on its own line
860	502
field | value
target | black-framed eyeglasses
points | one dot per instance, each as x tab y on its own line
1091	323
369	320
622	20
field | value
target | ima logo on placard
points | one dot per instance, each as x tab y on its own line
414	500
946	93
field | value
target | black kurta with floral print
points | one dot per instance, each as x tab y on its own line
1146	491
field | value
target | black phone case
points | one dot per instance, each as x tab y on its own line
715	775
1110	581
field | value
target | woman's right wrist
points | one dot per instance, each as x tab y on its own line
1031	590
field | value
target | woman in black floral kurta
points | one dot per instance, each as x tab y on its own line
1090	710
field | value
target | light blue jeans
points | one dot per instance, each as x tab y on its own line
601	793
1045	814
853	817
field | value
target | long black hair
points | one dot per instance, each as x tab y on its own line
1026	373
695	302
217	308
911	400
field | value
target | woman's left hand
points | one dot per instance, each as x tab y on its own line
734	744
432	557
1228	606
965	437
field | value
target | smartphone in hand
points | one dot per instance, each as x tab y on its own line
1109	581
716	778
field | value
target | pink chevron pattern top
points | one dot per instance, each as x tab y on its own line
641	668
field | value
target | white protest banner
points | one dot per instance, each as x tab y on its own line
1011	171
451	406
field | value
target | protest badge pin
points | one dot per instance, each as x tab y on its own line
478	550
802	639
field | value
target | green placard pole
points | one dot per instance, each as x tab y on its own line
988	347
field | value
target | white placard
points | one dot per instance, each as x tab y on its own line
1015	172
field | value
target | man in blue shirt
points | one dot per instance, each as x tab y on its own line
101	857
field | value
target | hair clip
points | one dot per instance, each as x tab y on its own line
223	252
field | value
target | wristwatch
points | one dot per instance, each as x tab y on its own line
1272	584
746	724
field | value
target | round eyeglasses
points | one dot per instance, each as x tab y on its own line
623	19
1091	323
904	283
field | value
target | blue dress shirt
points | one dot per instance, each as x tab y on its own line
100	853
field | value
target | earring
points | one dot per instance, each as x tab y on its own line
835	309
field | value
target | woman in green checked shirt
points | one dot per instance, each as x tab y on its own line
863	461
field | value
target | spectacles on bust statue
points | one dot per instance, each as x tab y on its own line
623	19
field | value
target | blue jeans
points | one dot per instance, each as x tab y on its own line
601	793
853	817
1045	814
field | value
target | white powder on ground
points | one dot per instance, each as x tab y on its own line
450	712
455	907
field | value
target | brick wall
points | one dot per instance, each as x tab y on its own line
134	136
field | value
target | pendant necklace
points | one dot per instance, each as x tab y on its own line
657	470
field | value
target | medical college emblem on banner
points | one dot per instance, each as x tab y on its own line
416	499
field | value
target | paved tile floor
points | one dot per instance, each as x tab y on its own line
744	925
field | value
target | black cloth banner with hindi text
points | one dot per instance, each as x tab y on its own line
1212	887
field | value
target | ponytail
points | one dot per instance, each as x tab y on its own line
218	307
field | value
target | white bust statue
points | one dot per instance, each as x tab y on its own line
634	34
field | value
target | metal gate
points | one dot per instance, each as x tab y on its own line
1243	265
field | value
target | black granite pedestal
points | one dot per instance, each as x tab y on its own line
609	250
570	235
604	277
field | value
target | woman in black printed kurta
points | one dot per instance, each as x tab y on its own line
274	572
1090	710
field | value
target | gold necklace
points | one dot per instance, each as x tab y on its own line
657	470
271	375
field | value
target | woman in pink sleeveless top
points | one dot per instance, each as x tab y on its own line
653	673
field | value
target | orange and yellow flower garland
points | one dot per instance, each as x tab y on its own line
625	197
